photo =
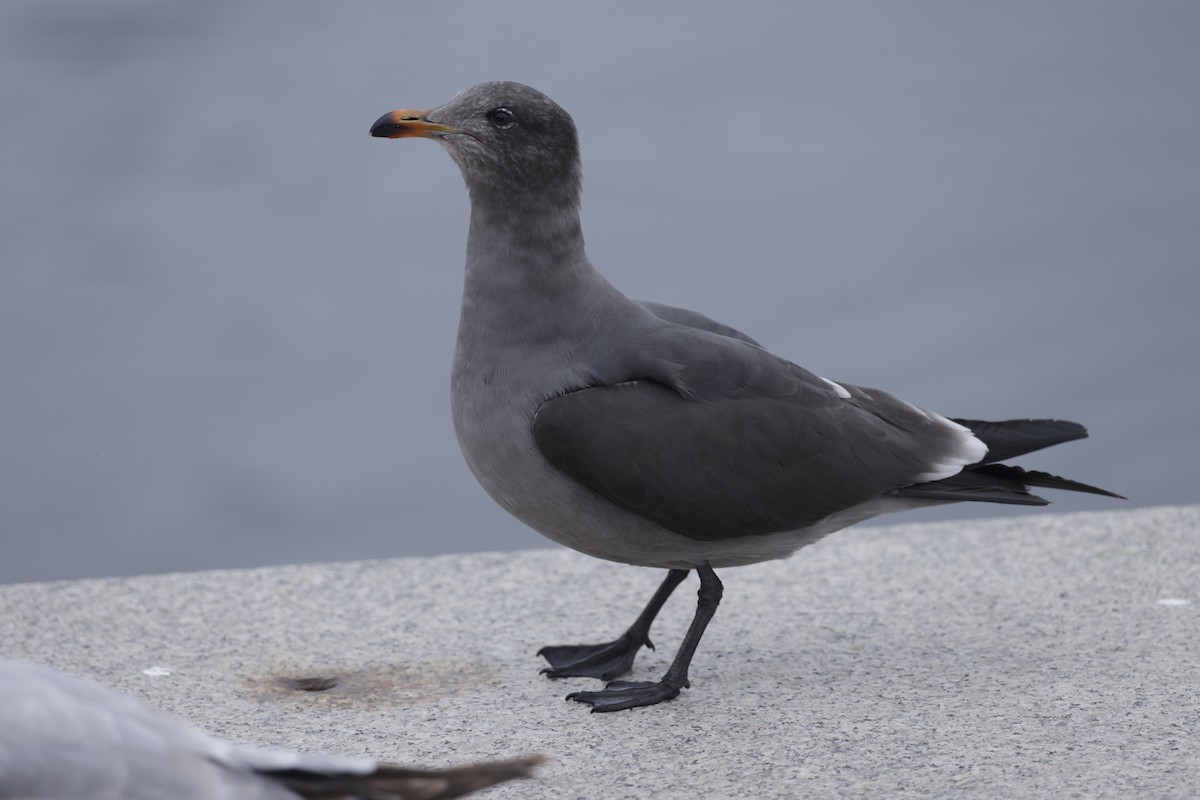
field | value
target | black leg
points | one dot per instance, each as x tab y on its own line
610	659
631	694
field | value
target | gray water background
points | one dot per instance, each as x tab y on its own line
227	314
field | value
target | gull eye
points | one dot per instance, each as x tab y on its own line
502	118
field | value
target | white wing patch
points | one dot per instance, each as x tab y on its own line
837	387
970	451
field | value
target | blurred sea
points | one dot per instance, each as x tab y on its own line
227	314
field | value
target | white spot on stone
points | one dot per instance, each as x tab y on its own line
156	672
1174	601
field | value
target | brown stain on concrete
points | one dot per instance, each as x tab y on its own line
407	684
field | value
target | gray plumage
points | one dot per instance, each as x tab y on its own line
64	738
648	434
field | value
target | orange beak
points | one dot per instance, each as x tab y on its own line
405	123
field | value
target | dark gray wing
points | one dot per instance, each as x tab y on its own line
743	445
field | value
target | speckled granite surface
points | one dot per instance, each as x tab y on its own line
1035	656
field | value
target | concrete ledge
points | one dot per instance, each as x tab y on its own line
1034	656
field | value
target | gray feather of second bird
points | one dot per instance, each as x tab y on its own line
65	738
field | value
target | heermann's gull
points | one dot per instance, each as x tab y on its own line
63	738
653	435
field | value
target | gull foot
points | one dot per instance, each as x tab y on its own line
604	661
620	695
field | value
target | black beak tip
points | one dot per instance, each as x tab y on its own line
384	126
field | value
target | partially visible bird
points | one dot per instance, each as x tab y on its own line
64	738
654	435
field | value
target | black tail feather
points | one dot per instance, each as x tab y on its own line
970	486
1030	477
997	483
989	482
1016	437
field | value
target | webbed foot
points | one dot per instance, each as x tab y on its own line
620	695
604	661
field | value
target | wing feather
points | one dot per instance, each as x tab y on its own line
743	464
